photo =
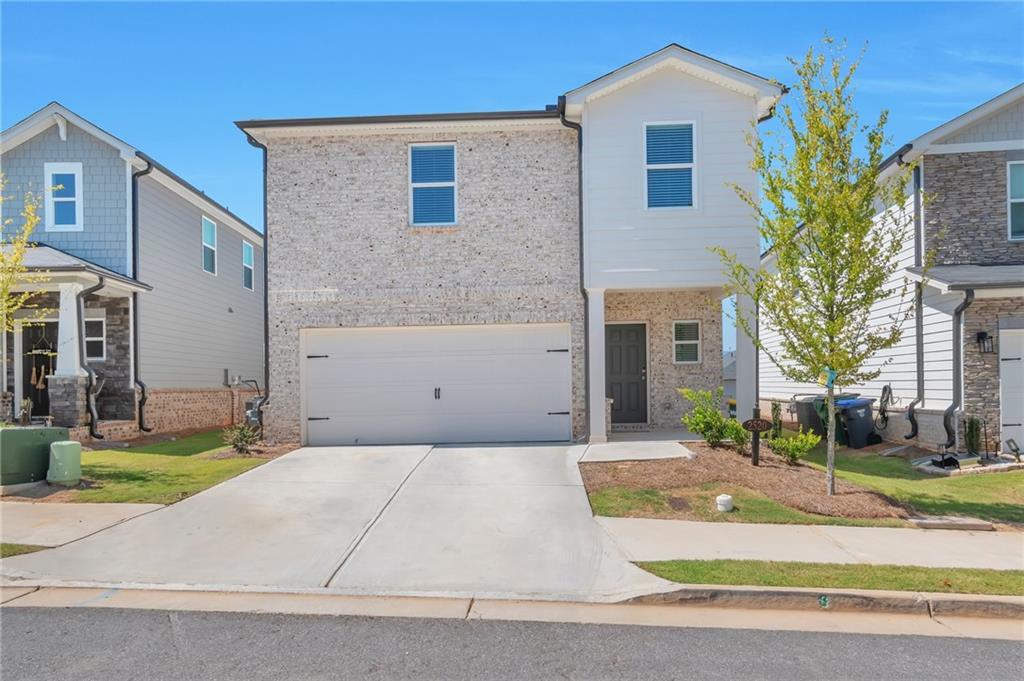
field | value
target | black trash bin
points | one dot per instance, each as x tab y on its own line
858	421
821	411
807	415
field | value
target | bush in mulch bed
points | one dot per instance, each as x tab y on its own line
798	486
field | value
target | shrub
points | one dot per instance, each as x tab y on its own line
734	431
796	447
707	420
241	437
776	420
972	435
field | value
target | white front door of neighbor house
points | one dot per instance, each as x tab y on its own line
1011	385
436	384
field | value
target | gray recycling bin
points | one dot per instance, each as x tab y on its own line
858	419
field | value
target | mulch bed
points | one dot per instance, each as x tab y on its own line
797	486
260	451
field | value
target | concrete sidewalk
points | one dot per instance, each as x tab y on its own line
643	539
42	524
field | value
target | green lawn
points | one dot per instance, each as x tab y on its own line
990	496
160	473
749	506
8	550
831	575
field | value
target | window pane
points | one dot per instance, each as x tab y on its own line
433	205
209	260
63	212
1017	180
93	349
686	352
1017	220
669	188
246	254
687	331
67	185
209	233
433	164
670	143
93	329
247	277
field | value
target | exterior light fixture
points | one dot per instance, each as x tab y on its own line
985	342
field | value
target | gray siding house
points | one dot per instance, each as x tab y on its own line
171	283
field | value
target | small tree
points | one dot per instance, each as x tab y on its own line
834	259
15	240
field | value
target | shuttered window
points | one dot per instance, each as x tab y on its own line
1015	190
669	165
686	342
432	184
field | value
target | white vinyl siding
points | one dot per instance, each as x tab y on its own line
1015	197
686	342
209	246
63	208
432	184
248	265
95	339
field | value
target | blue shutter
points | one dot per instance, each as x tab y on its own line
433	164
669	187
669	144
433	205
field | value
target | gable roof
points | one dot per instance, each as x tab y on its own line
56	114
767	92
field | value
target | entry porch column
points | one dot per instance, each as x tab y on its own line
595	364
68	345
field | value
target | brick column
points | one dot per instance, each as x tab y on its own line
68	405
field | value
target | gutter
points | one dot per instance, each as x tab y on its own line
958	368
90	398
918	308
143	390
586	305
266	285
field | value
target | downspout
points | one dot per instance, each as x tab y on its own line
583	291
918	307
90	398
143	390
266	284
958	361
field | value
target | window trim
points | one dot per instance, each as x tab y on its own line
699	342
693	165
251	268
202	238
86	338
1010	201
454	184
49	170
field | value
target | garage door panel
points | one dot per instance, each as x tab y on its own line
496	382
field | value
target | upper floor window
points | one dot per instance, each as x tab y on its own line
63	182
1015	190
686	342
209	245
432	184
669	165
248	265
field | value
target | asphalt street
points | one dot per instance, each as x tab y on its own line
108	644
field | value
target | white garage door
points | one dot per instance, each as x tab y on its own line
1011	384
436	384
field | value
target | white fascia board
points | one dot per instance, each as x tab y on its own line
263	135
59	115
210	208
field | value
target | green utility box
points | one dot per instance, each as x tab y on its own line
65	463
25	452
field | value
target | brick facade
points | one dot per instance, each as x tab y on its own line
965	216
116	399
981	370
659	309
343	252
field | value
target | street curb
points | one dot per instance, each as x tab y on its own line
840	600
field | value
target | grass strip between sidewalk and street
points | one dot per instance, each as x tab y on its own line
840	576
8	550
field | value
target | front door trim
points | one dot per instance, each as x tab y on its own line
647	341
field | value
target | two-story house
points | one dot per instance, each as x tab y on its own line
961	353
500	276
148	310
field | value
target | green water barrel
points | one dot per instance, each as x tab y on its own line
65	463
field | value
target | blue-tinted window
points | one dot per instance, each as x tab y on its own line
432	173
669	165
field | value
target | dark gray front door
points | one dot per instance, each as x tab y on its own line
626	371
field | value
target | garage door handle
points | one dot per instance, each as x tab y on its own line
1008	425
318	418
560	350
558	413
316	356
1011	359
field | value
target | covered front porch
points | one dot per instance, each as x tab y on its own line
69	358
645	344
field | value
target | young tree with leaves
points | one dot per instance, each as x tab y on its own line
15	240
836	252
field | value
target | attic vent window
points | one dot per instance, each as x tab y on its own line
669	165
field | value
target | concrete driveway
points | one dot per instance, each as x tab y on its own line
500	521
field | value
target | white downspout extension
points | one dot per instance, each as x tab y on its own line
595	362
68	355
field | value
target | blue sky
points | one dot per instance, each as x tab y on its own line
170	78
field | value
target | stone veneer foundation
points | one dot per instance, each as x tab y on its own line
658	309
981	370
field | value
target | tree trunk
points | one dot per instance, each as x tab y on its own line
830	457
